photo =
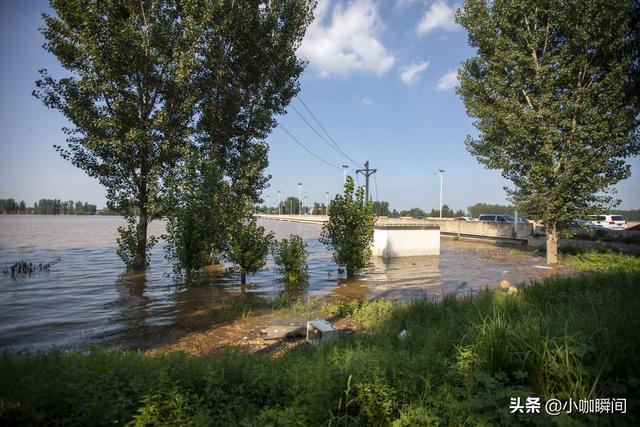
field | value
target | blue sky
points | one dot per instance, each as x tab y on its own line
381	80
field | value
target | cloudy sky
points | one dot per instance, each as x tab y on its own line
381	80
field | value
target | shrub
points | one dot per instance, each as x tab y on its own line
290	256
249	248
349	231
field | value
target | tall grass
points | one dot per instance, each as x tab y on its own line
462	361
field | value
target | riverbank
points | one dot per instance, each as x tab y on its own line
462	362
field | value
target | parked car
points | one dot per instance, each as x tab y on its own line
463	218
611	222
581	224
500	218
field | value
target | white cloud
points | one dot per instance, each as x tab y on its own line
411	74
346	39
366	101
405	3
439	15
448	81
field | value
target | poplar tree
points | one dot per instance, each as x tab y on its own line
554	91
150	80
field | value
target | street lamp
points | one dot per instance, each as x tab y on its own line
268	203
304	205
326	206
344	173
279	207
299	198
441	173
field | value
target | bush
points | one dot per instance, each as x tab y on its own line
349	231
249	248
290	256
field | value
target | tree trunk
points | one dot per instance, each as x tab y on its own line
552	243
243	278
141	236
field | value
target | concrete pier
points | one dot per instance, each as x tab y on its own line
393	241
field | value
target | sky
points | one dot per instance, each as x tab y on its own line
380	79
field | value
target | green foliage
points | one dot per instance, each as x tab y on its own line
173	407
290	256
147	81
349	231
197	227
380	208
128	243
462	361
606	260
486	208
249	248
414	213
552	92
447	212
290	206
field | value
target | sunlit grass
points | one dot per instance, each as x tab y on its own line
462	360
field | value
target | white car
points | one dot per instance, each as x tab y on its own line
611	222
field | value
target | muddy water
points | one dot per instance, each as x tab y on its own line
89	298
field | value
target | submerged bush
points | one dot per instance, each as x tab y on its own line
290	256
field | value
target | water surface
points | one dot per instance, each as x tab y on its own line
90	298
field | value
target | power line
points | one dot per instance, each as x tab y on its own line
325	130
309	151
332	145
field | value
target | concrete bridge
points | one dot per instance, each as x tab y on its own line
483	230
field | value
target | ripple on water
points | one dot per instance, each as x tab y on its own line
90	298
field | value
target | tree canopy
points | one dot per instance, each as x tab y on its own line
552	91
151	80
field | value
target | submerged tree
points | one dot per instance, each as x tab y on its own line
290	256
554	90
129	97
149	80
349	231
196	222
249	248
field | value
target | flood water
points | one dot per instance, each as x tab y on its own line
89	297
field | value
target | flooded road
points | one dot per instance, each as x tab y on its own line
90	298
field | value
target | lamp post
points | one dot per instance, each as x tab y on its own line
279	207
299	198
304	205
326	206
268	203
344	173
441	173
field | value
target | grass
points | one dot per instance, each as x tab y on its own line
605	236
601	261
463	360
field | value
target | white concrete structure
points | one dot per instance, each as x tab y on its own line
321	332
390	241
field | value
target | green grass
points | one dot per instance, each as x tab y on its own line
463	360
602	261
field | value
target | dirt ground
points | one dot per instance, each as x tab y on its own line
245	335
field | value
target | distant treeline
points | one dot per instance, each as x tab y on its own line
47	207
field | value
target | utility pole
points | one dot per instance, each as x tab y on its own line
279	207
326	207
441	173
367	173
299	199
344	173
304	206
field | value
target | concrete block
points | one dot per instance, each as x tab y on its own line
321	332
391	241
